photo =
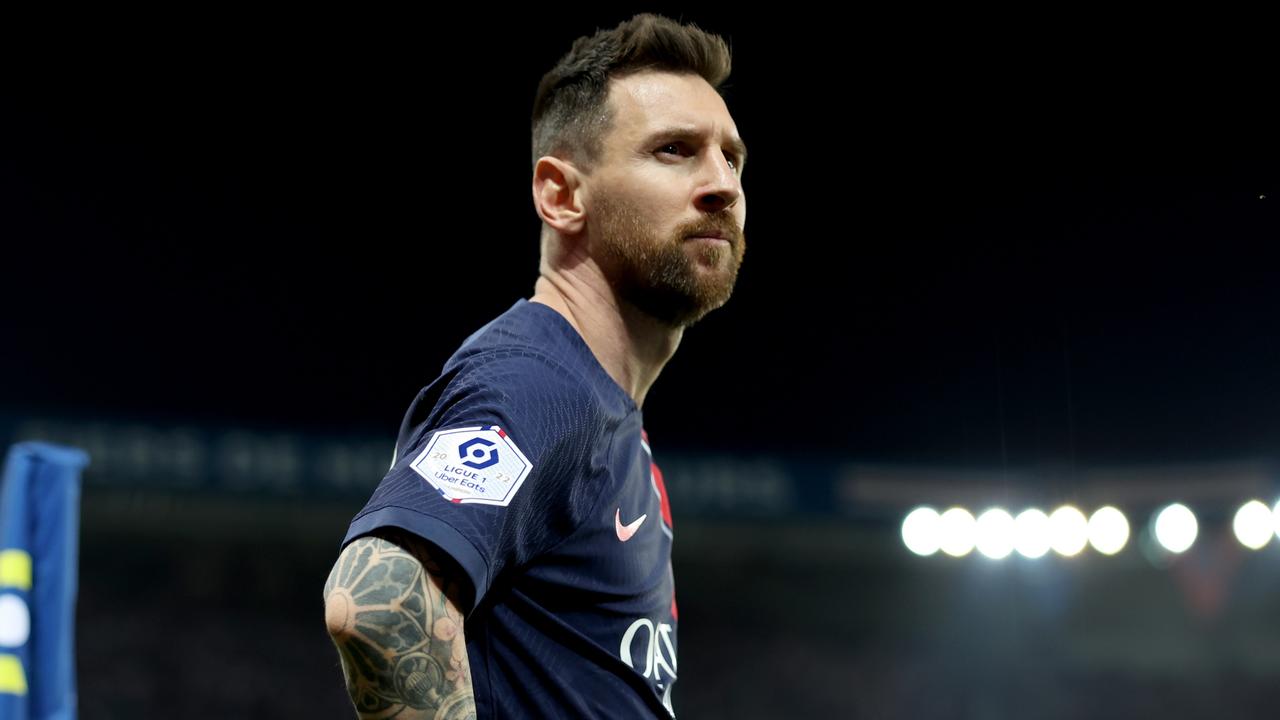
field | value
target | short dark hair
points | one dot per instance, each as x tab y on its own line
571	113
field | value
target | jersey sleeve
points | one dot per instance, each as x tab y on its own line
494	467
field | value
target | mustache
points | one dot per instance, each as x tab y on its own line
719	225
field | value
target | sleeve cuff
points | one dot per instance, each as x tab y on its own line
434	531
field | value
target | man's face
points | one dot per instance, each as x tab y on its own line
666	208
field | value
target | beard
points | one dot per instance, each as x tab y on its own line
670	279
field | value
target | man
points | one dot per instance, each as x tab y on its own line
516	559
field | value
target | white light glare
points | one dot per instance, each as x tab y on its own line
1031	533
1068	531
995	533
922	531
1176	528
1253	525
1108	530
958	532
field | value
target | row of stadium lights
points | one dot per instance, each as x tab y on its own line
997	534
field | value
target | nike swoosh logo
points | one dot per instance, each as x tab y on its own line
626	531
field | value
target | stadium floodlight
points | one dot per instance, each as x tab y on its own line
1253	525
1108	530
1176	528
995	533
1068	531
922	531
959	531
1031	533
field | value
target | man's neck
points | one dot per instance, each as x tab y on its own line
630	345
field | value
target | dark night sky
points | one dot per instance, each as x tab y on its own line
963	247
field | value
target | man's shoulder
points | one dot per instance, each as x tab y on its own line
513	385
527	372
500	416
529	348
517	369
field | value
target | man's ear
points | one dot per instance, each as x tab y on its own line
557	195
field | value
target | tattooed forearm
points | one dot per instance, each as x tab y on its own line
398	632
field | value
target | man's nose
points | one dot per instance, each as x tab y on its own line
720	186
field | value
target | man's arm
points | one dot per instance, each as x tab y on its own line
393	614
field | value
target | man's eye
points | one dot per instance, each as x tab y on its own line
671	148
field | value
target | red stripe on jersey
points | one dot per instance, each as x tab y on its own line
662	494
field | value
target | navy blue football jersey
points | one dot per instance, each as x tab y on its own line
527	464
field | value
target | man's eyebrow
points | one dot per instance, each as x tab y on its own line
687	134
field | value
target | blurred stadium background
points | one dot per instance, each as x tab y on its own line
984	272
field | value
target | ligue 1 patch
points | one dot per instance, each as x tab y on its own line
473	465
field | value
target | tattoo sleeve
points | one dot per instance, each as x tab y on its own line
394	618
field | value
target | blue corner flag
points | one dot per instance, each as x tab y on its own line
39	554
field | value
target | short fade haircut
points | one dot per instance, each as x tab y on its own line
571	113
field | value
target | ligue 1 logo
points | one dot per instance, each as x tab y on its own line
479	465
470	449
